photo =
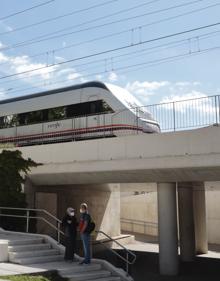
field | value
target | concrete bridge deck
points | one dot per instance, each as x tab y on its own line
169	157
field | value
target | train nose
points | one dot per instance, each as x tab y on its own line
151	127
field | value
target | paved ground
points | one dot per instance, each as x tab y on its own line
204	268
13	269
149	244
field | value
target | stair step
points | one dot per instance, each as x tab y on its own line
79	268
36	260
26	248
25	242
111	278
88	275
29	254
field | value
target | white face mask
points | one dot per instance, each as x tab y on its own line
82	211
72	214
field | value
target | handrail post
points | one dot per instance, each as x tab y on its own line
127	265
58	232
27	221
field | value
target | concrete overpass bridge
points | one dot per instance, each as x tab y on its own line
180	163
169	157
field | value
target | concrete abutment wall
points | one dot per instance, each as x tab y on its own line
103	201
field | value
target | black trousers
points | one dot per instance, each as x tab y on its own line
70	247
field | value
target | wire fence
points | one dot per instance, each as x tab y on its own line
171	116
187	114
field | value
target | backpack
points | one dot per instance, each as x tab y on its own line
91	226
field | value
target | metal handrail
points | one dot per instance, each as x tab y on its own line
128	252
28	217
57	228
139	222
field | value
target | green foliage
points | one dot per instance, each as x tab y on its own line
13	168
45	276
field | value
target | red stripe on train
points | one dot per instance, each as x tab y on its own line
75	131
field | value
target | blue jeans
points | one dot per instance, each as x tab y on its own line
86	247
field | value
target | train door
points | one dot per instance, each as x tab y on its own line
93	118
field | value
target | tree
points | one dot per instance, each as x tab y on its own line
13	168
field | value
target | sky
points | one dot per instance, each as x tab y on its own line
162	70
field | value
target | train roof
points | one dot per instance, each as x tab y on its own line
55	91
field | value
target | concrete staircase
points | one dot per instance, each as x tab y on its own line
32	251
38	252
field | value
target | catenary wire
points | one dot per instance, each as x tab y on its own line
26	10
115	49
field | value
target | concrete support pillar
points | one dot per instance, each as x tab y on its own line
167	219
186	221
200	218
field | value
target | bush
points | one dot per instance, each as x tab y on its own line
13	168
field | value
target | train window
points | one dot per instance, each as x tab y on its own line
22	119
34	117
2	123
106	107
45	113
58	113
8	121
87	108
93	107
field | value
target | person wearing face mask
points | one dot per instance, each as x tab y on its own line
70	225
85	220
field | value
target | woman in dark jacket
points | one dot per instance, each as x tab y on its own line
70	225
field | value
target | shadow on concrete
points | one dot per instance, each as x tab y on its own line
147	268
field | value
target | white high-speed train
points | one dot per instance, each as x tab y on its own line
84	111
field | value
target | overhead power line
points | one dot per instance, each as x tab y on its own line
123	57
73	13
129	68
26	10
139	28
45	37
114	49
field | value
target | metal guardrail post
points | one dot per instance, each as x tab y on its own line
216	110
103	123
27	221
137	119
127	264
174	117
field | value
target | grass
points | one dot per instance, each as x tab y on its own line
44	276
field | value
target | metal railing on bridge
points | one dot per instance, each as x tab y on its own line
187	114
